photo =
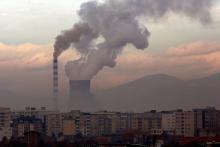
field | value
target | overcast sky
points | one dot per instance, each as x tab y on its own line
28	29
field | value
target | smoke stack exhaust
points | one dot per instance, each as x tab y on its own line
106	28
55	82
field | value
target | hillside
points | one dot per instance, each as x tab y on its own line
161	92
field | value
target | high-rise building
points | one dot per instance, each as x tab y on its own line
185	123
53	124
24	124
78	122
125	121
154	119
168	122
207	120
85	124
147	122
73	115
102	123
95	124
137	122
52	120
5	120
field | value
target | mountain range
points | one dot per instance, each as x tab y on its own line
161	92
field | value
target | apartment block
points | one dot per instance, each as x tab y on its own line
75	117
53	124
168	122
201	122
147	122
125	121
207	121
69	128
5	120
85	124
138	122
184	123
52	120
25	124
102	123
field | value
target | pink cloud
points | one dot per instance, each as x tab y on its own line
195	48
30	56
187	61
24	56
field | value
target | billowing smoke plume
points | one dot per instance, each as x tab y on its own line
106	27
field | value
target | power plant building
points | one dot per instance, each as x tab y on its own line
81	97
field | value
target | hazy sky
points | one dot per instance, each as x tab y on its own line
178	46
39	21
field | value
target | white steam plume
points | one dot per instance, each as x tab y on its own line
117	23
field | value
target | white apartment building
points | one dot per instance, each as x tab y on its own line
185	123
180	123
168	122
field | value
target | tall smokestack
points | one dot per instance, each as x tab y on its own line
55	81
105	28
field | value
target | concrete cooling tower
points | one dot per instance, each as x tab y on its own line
80	96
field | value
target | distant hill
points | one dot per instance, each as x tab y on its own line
162	92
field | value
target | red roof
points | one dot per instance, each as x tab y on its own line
186	140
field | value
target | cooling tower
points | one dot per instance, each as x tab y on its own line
80	96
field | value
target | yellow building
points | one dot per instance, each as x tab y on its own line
69	127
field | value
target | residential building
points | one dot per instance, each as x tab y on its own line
207	121
168	122
74	115
137	122
146	122
105	123
25	124
69	127
5	120
53	124
185	123
125	121
52	120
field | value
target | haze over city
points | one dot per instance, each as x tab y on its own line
96	73
180	50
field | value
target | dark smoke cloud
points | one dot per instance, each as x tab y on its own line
116	23
74	35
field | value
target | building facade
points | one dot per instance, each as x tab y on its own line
5	121
207	121
53	124
24	124
199	122
168	122
184	123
